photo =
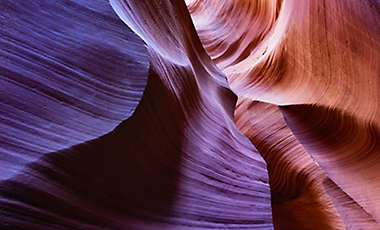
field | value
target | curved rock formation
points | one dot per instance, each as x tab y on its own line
178	163
70	72
304	74
345	148
292	52
352	214
323	54
299	200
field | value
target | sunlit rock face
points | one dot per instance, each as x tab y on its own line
199	114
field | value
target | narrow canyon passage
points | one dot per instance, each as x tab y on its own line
199	114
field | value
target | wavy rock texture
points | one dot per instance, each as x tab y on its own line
70	71
346	149
299	200
306	76
324	55
352	214
178	163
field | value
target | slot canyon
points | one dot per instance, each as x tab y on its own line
190	115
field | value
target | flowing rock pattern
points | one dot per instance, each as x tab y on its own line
345	148
320	61
178	163
305	89
70	71
352	214
299	200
